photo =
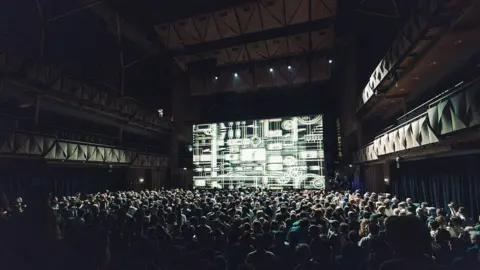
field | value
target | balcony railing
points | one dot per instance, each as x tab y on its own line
24	144
429	22
52	83
456	110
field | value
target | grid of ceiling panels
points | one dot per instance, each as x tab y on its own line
265	49
244	19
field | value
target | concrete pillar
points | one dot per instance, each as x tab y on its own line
180	112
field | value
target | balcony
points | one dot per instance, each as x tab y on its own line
440	122
53	85
434	42
30	145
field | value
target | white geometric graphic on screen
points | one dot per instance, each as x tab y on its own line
265	180
287	124
288	151
318	183
312	154
294	172
317	129
255	141
307	120
275	146
298	181
275	167
275	159
253	154
275	133
313	138
280	178
289	161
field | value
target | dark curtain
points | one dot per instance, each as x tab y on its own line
440	181
60	181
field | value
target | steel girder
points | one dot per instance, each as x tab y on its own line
260	75
25	144
314	41
51	82
456	112
430	20
237	21
207	35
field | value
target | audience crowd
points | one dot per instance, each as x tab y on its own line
234	229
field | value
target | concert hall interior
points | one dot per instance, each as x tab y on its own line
228	94
239	134
270	94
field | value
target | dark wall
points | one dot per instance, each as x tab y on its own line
16	180
264	104
439	181
330	143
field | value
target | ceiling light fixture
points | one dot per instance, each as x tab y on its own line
289	67
271	70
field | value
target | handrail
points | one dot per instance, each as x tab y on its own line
142	109
430	103
396	54
443	95
74	141
143	104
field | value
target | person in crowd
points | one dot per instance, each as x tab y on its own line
233	229
442	249
305	260
261	258
410	242
463	215
351	257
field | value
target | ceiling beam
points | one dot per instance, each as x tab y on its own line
127	30
253	37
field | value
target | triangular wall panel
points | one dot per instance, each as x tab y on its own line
296	11
201	23
249	18
226	23
323	9
268	9
277	47
187	31
174	41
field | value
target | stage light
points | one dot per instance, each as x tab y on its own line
235	74
330	61
216	78
271	70
184	169
141	180
289	67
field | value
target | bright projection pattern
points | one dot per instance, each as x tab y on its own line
268	153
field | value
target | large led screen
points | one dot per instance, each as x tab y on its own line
269	153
